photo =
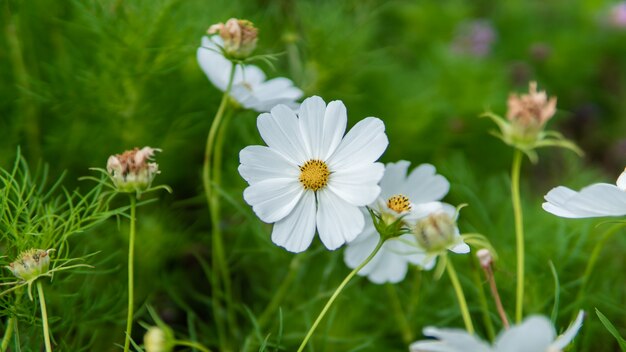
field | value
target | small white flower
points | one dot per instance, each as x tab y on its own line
250	87
534	334
399	194
310	177
600	199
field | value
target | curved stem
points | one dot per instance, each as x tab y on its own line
192	345
218	258
519	233
131	265
336	294
593	258
460	297
44	316
399	313
484	306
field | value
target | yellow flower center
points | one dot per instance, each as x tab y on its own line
314	174
399	203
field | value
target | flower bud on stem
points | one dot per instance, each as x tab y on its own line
486	260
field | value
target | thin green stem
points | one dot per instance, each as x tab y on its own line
336	294
131	265
220	267
44	316
11	323
399	314
593	258
484	305
192	345
281	292
467	319
519	233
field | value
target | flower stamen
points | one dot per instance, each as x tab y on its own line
314	174
399	203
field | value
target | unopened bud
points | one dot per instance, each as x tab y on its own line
239	36
484	257
158	339
131	171
435	232
30	264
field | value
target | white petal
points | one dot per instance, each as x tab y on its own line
363	144
564	339
338	222
335	121
536	333
250	74
357	186
407	246
214	65
424	185
273	199
279	87
422	210
311	121
461	247
296	231
450	340
600	199
394	179
279	130
259	163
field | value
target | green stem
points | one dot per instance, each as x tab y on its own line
11	323
192	345
336	294
399	314
220	267
460	297
281	292
593	258
484	305
131	265
519	233
44	316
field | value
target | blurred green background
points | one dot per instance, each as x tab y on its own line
81	80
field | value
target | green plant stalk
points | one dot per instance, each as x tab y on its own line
484	305
281	292
519	233
10	324
403	323
467	319
593	258
192	345
44	316
131	265
220	267
336	294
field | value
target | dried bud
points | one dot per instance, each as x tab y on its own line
436	232
528	113
484	257
131	171
158	339
30	264
239	36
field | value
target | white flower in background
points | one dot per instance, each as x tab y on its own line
600	199
534	334
399	194
310	177
250	87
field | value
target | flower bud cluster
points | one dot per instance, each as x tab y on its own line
239	36
131	171
30	264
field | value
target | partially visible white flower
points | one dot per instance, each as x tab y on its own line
534	334
250	87
600	199
312	176
399	194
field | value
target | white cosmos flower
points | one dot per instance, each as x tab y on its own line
310	177
600	199
399	193
250	87
534	334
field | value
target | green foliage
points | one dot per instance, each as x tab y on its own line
82	80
